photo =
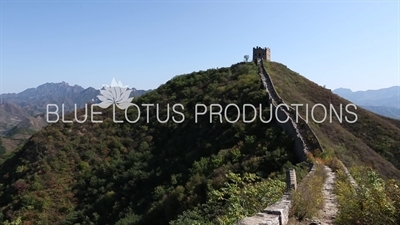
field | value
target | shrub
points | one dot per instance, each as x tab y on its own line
375	201
240	196
246	195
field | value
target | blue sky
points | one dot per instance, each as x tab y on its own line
352	44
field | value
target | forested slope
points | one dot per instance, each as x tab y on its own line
152	172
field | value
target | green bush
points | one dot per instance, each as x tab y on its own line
375	201
240	196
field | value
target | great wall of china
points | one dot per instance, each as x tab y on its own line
305	141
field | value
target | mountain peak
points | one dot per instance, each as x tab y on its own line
343	90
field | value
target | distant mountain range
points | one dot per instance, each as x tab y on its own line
385	101
36	99
22	113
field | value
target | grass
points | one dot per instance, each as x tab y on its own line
308	199
371	141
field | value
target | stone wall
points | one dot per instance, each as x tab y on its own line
306	137
278	213
305	140
288	120
351	179
291	180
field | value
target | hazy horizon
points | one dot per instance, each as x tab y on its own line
138	88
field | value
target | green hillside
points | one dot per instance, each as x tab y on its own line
150	173
182	173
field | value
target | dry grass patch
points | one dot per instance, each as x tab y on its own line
308	199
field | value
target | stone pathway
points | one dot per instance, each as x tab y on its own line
328	214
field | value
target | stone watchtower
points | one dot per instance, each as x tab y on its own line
264	53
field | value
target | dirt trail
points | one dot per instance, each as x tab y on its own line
328	214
